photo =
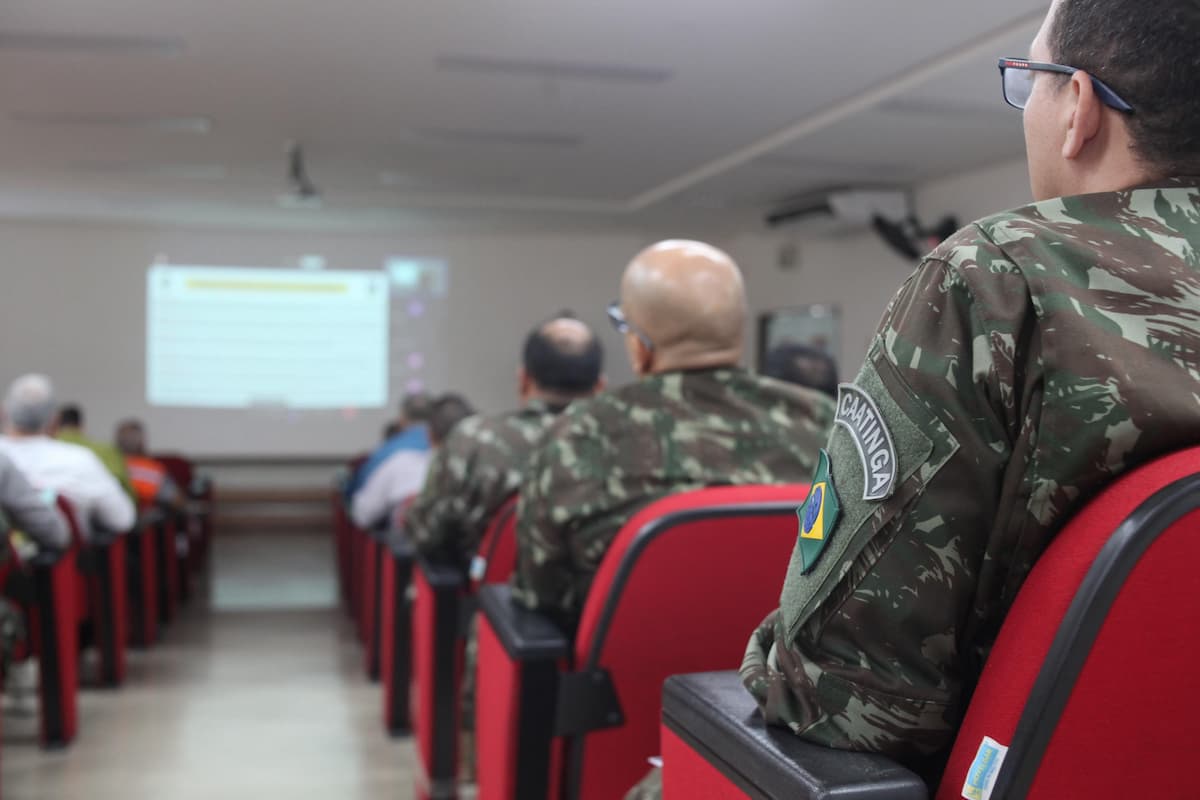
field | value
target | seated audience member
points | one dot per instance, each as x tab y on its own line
65	468
803	366
694	418
411	434
480	465
1030	360
402	474
152	483
69	428
28	510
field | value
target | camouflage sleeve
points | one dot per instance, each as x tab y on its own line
868	649
543	578
562	517
437	516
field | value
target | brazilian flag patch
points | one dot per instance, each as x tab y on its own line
818	515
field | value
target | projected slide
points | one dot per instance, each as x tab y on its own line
228	337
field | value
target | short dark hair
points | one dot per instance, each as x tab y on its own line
803	366
416	407
1146	50
567	367
71	416
445	412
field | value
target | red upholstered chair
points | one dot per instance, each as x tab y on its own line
54	615
1089	691
679	590
103	567
197	523
443	605
143	579
374	548
497	555
343	529
166	557
395	634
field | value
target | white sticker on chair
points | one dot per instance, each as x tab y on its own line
981	777
478	568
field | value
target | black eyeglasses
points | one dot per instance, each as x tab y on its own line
617	317
1016	75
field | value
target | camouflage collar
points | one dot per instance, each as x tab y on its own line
539	406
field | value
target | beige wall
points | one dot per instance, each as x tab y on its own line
73	305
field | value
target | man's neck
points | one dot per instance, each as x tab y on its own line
551	399
13	433
694	362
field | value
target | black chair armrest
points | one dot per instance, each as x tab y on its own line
714	715
442	577
46	559
526	635
103	538
400	547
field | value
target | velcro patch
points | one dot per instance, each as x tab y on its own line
858	414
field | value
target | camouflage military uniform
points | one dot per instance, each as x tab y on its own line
477	468
610	456
471	475
1030	360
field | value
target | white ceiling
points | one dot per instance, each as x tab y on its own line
621	109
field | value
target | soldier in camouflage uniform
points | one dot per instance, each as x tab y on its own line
693	419
1030	360
480	464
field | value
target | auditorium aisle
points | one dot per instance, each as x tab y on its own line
257	693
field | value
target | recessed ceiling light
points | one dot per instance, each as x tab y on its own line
520	138
555	70
165	123
89	44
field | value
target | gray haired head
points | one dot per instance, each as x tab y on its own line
29	405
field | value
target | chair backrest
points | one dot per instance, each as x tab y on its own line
179	468
1091	683
496	558
683	586
72	517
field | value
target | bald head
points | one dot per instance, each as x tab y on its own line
689	300
562	360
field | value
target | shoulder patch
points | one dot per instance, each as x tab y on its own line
858	414
818	515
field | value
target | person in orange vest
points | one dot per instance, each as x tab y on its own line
151	482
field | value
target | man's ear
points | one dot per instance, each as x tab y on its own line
1083	124
601	384
524	383
644	357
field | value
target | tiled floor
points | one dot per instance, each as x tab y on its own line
233	703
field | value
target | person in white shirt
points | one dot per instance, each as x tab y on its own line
67	469
29	510
403	474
